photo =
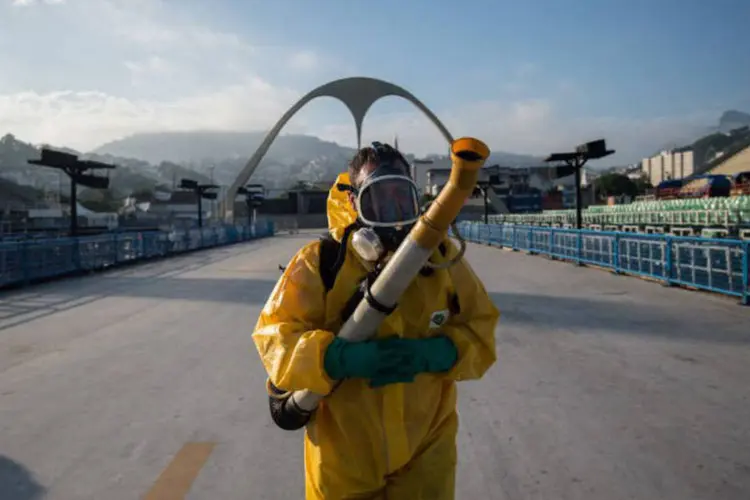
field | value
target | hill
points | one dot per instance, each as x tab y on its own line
730	129
130	176
733	128
16	196
222	155
733	119
290	159
147	160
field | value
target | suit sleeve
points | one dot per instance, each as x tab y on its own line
472	330
290	345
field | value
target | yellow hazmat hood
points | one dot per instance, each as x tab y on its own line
340	211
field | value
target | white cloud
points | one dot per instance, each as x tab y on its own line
84	120
129	66
26	3
155	26
147	65
304	60
87	119
529	126
144	71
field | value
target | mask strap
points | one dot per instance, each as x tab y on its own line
346	188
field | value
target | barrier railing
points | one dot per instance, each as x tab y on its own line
715	217
716	265
29	260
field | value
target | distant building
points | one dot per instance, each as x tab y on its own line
312	198
667	165
502	178
180	205
634	172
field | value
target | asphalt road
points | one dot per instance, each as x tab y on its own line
131	383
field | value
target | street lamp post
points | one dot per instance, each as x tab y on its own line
201	191
574	163
254	196
485	186
77	171
211	181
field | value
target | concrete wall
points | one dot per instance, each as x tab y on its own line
688	163
678	165
668	171
668	165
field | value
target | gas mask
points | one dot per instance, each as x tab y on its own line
387	204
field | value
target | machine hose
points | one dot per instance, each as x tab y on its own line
284	411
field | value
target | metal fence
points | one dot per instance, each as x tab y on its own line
716	265
29	260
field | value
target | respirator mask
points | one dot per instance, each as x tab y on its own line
387	204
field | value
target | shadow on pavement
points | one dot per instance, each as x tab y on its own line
224	290
159	279
18	310
621	317
17	482
235	290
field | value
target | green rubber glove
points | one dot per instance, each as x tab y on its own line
369	359
429	355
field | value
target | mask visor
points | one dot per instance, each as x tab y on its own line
388	201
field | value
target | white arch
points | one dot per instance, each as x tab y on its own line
357	93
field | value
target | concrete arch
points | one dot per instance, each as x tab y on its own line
357	93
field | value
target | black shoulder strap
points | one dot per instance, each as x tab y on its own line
332	255
329	253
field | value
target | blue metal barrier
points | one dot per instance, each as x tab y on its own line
23	261
716	265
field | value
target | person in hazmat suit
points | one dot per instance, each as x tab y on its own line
388	425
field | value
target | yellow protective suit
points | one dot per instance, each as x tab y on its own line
398	441
339	209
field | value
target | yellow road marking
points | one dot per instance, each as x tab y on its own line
176	480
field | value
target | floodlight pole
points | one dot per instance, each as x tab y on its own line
201	190
200	209
246	192
75	168
578	163
251	201
485	192
73	206
577	159
483	187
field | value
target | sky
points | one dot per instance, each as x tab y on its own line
531	76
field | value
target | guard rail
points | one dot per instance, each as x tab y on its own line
716	265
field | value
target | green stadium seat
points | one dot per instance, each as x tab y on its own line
695	211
